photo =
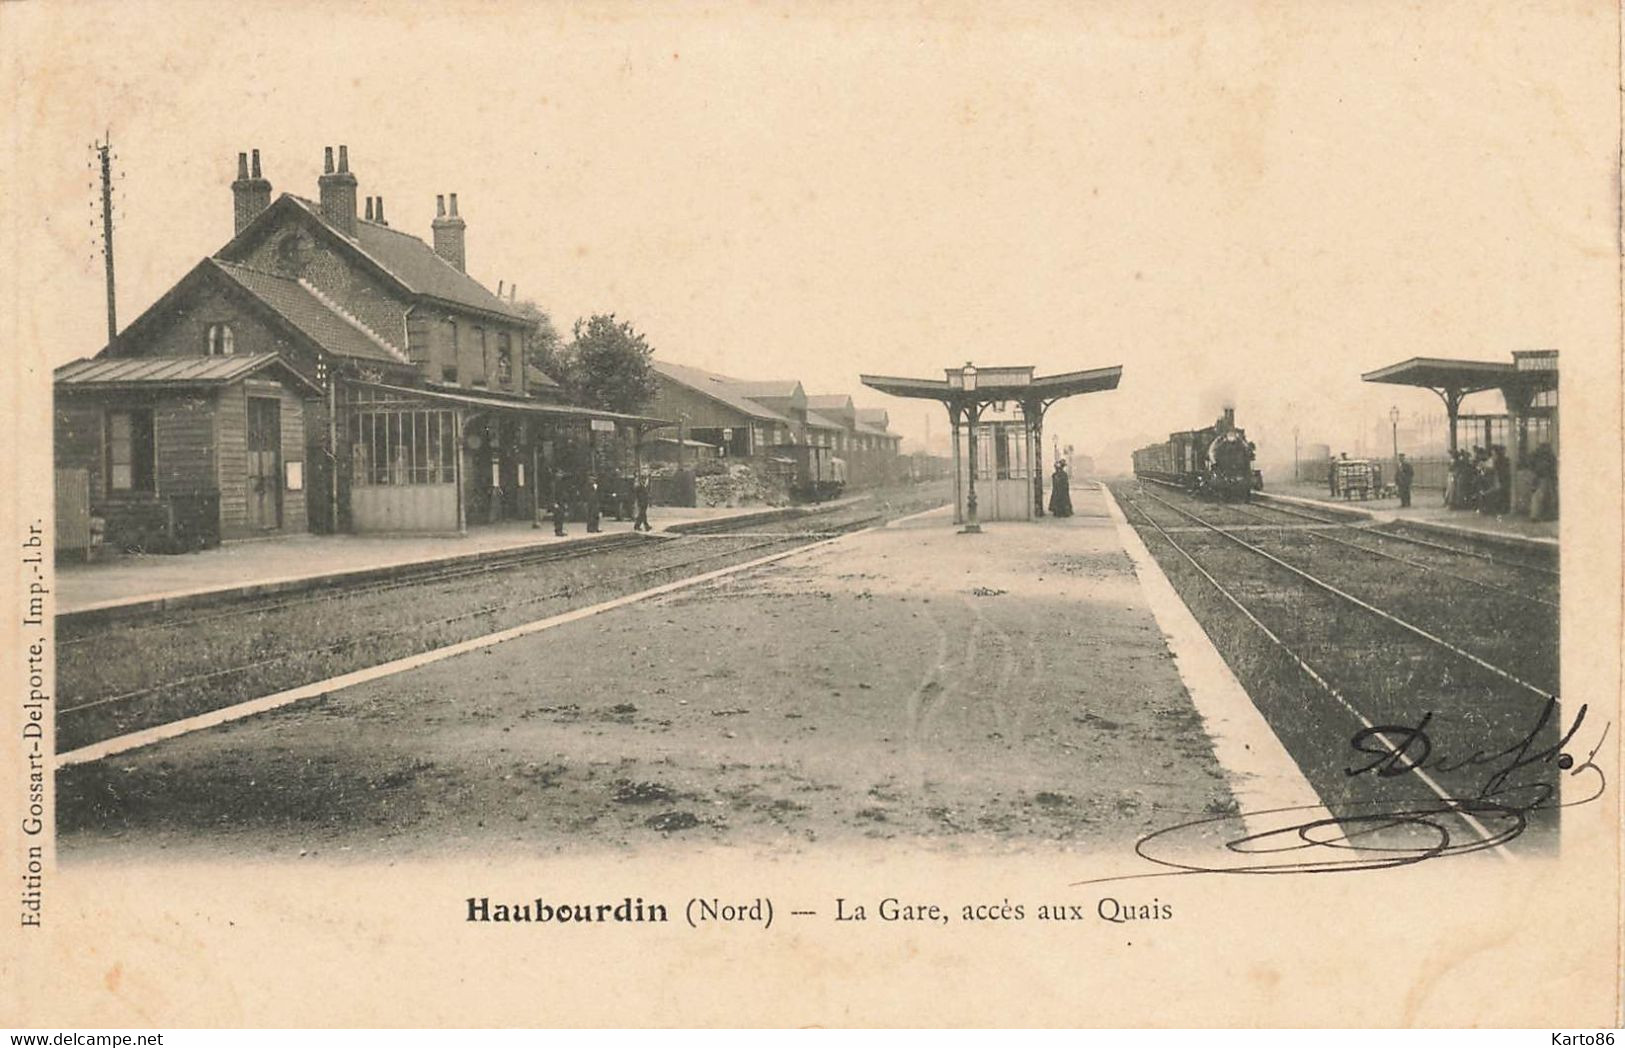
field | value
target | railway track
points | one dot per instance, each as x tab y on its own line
1350	676
119	677
1518	578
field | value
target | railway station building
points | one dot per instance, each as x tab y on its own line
337	374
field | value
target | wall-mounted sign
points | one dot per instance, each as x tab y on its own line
603	425
295	479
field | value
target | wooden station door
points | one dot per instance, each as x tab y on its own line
264	463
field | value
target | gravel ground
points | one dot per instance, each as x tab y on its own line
994	692
128	675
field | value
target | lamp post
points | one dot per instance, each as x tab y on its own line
972	417
1295	454
1393	421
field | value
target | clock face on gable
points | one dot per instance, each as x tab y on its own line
292	253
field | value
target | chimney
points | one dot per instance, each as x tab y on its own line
338	192
369	209
250	194
380	217
448	233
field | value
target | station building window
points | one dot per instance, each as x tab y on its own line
402	447
448	366
219	340
130	451
505	358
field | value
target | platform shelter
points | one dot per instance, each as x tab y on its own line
1528	386
997	418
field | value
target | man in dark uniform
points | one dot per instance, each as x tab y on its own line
640	495
592	502
559	502
1404	473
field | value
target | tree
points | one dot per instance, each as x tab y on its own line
544	345
606	366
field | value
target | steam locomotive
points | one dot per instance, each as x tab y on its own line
1216	462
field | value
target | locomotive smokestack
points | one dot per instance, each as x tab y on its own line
1229	418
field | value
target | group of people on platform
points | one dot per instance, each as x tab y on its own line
631	500
1482	481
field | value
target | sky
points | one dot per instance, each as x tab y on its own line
1242	204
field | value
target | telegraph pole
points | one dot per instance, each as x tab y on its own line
104	151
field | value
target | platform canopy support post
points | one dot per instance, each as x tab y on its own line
973	417
1033	411
959	497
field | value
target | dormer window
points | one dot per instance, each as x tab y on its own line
219	341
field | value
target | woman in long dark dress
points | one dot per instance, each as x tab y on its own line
1060	492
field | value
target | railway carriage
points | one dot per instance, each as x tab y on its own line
1216	462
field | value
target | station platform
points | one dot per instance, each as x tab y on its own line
257	566
1428	513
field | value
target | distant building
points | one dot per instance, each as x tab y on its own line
766	419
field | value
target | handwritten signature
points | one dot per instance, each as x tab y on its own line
1386	834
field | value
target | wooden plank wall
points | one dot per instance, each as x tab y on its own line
231	460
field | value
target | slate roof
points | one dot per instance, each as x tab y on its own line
784	390
413	262
717	387
828	402
317	319
817	421
872	430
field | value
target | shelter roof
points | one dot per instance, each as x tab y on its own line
1470	376
817	421
170	372
1048	387
529	407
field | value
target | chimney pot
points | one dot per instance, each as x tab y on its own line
327	163
381	212
369	209
338	193
449	234
249	195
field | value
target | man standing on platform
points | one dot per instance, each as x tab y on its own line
592	502
559	502
640	495
1404	473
